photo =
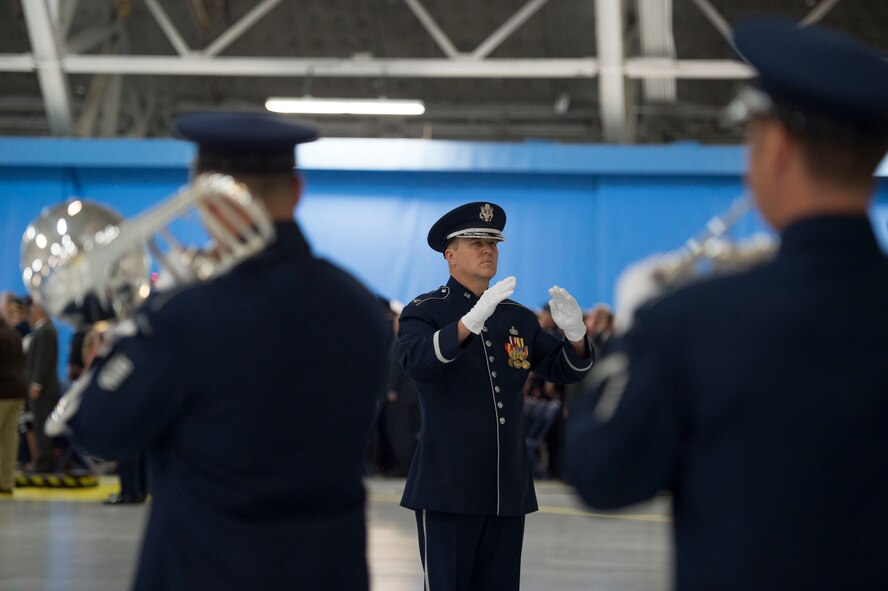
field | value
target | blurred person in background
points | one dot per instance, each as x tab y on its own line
600	326
13	392
43	381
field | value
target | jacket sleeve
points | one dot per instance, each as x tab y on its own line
134	394
424	348
556	361
623	432
44	348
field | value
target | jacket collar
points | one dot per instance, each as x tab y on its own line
289	238
462	293
841	235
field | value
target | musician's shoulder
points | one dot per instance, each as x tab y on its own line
175	306
724	299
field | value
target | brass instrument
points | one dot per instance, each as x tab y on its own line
705	255
87	264
710	253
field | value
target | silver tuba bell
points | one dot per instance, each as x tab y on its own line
85	263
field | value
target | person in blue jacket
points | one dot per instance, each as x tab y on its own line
469	348
251	396
760	398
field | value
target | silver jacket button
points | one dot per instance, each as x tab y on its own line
491	358
499	404
496	389
502	420
493	374
488	343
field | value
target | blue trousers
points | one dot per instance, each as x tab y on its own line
470	552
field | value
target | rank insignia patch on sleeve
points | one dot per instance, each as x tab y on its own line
114	372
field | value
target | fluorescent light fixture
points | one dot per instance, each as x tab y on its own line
316	106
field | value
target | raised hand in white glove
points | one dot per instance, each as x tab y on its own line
567	314
487	303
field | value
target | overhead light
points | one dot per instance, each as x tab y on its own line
316	106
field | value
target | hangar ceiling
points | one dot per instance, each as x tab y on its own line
617	71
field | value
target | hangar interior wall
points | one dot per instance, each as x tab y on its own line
576	214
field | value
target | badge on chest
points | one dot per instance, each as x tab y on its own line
518	352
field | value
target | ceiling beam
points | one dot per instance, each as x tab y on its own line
657	40
611	81
53	83
650	67
17	62
552	68
316	67
716	20
62	13
167	26
433	29
505	31
109	121
91	37
818	12
240	27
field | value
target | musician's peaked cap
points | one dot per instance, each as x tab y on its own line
819	74
243	141
481	219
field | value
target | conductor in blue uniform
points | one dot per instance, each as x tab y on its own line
470	348
760	399
252	396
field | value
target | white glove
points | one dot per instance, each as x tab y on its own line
567	314
487	303
638	284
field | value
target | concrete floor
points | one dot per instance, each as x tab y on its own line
69	541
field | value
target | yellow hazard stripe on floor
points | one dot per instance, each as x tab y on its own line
107	485
651	517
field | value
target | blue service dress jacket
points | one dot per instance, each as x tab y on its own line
471	458
252	396
761	401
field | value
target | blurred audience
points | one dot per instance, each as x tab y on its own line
600	326
551	431
43	383
401	417
13	392
76	352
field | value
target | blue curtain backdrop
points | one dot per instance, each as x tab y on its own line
577	215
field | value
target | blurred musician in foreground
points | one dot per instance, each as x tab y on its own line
760	399
251	394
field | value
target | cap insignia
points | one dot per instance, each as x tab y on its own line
487	212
